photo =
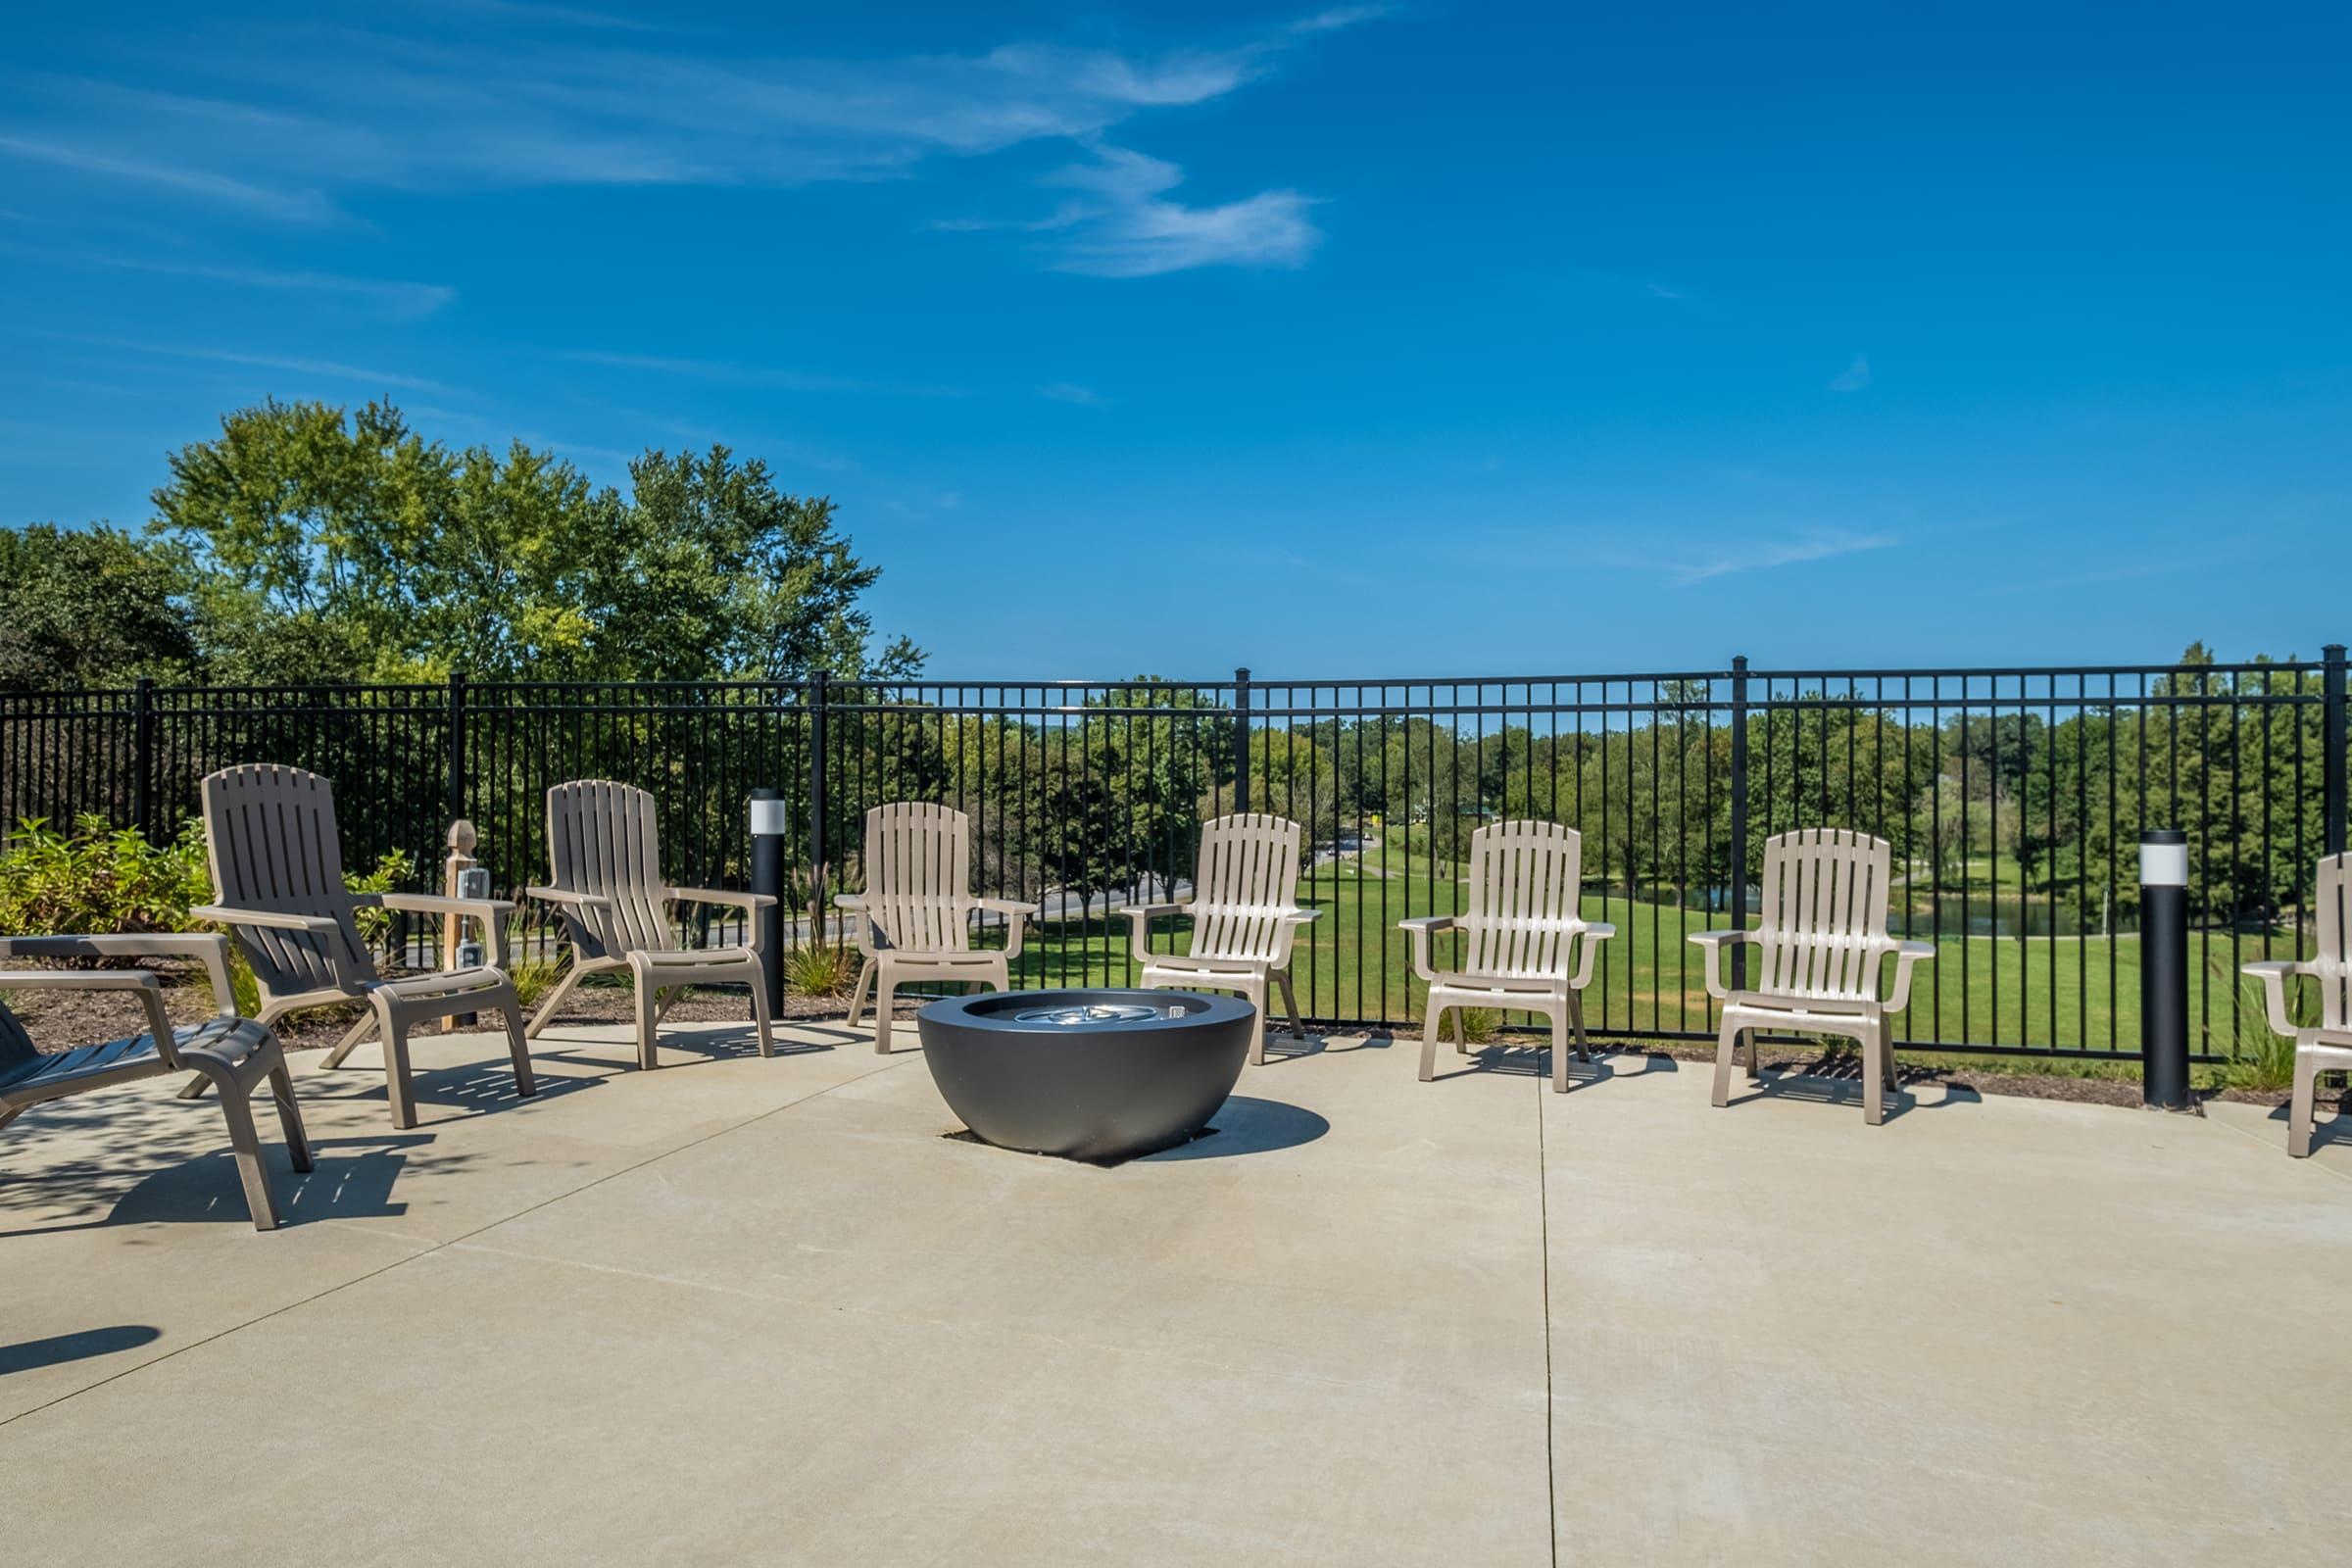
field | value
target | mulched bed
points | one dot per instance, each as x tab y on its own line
60	1020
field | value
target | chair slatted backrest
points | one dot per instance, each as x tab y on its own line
918	876
1526	882
2334	960
270	837
1823	931
600	840
16	1048
1246	880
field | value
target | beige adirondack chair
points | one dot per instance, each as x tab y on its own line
605	860
236	1055
1245	915
914	919
2324	1047
1822	945
278	885
1525	915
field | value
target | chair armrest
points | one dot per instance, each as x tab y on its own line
1301	916
443	904
267	919
1907	953
1005	906
208	949
849	901
2274	973
146	983
1715	942
1595	932
586	900
1138	923
742	901
1418	929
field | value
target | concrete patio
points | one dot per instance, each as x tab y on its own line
764	1311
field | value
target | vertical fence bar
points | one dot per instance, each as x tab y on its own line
1738	848
2331	729
455	800
142	757
817	696
1241	740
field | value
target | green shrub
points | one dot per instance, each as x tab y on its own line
99	879
534	974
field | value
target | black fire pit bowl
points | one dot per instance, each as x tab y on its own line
1095	1075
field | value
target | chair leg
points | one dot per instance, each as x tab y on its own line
526	1085
1575	1018
2300	1111
649	1018
760	1023
1257	1029
289	1118
352	1039
1727	1046
865	981
1429	1041
886	999
1874	1076
548	1009
399	1090
236	1109
1559	1048
1289	1003
1461	1032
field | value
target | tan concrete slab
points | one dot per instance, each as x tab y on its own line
2003	1329
747	1310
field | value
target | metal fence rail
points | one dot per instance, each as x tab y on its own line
2013	799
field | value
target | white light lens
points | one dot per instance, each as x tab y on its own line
2163	866
767	820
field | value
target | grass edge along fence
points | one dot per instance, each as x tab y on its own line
2013	798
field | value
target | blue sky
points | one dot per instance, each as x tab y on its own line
1427	339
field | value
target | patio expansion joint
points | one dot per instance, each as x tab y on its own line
1551	1458
2251	1136
439	1247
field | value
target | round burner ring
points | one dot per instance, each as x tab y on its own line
1078	1015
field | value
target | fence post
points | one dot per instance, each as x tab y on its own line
769	825
1739	817
2331	732
455	800
819	696
1241	740
142	758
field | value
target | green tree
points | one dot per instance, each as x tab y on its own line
91	607
336	545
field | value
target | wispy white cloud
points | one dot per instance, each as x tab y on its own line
497	100
325	370
1704	563
1126	227
396	298
300	206
1086	397
733	375
1854	377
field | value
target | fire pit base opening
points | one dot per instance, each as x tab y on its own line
1094	1075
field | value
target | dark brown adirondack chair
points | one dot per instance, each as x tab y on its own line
278	885
604	859
232	1054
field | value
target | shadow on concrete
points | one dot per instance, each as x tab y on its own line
79	1345
1248	1125
1828	1083
352	1179
469	1088
2330	1120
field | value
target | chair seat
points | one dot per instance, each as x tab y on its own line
975	958
441	983
232	1041
1782	1002
1501	985
1178	965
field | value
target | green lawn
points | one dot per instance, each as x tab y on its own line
2074	993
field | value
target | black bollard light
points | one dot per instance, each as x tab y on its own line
767	877
2164	968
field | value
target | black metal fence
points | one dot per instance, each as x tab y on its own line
2013	798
